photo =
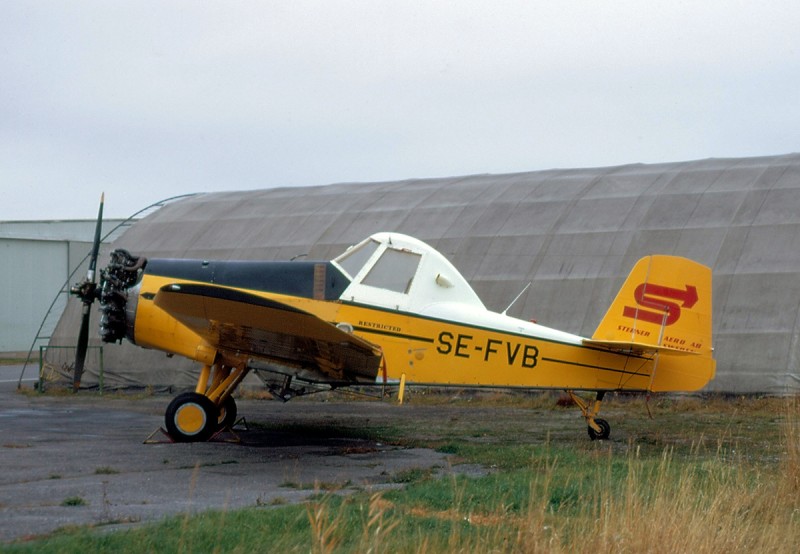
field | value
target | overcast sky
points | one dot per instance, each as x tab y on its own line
150	99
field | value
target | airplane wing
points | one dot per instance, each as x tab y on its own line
232	320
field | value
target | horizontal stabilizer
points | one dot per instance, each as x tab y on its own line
638	348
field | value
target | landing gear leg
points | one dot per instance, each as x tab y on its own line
224	382
599	429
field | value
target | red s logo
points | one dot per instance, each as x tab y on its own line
661	311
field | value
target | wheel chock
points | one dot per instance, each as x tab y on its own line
151	440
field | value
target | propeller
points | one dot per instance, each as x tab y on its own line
87	292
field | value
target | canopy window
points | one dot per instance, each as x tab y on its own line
354	259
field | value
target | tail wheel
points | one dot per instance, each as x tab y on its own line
227	413
605	430
191	417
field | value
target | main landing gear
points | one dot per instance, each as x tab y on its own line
191	417
599	429
197	416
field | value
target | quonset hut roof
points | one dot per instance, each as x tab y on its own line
573	233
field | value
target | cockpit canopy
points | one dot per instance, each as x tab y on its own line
400	272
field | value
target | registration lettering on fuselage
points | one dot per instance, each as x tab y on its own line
495	350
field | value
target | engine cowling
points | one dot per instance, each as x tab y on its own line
119	286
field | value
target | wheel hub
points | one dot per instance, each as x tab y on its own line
190	418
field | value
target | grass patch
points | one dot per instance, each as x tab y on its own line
705	475
413	475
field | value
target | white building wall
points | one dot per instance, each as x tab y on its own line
36	259
31	273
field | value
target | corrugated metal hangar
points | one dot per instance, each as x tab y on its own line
573	233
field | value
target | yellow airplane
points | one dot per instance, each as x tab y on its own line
390	310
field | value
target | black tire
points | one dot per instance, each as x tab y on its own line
605	430
191	417
227	414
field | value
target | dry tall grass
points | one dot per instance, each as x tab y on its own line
790	469
718	504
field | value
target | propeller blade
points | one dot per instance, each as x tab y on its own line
96	245
86	291
83	345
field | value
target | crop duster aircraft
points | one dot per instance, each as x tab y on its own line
392	310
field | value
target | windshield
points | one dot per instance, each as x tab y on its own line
354	259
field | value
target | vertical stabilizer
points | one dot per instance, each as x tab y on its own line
664	303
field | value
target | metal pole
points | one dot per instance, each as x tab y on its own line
41	368
102	369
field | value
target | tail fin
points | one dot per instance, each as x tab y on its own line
665	305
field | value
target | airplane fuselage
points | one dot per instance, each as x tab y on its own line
448	345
